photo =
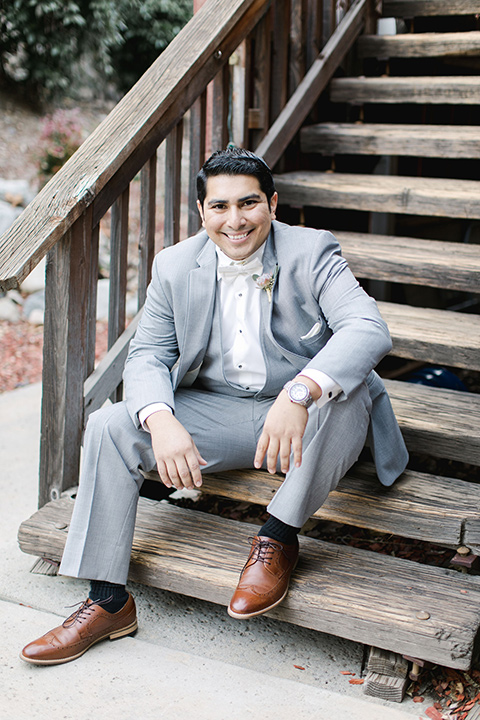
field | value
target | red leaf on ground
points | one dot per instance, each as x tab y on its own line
432	713
356	681
299	667
346	672
418	698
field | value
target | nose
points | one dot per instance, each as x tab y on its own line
236	219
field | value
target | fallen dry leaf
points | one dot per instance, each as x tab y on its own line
356	681
432	713
418	699
299	667
346	672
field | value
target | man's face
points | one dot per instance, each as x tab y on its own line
236	215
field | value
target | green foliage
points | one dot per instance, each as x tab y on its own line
148	27
42	42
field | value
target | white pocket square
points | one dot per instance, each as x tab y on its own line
312	332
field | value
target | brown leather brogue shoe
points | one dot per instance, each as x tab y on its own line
85	627
264	579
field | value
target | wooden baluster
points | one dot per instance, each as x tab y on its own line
259	113
65	358
220	106
297	60
313	32
197	158
92	302
146	242
118	273
173	167
279	73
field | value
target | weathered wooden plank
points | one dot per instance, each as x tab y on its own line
279	70
146	241
374	193
107	376
443	141
419	44
92	301
439	422
64	359
220	107
260	101
113	154
118	267
449	90
434	336
315	81
196	158
412	8
452	266
173	170
419	506
356	594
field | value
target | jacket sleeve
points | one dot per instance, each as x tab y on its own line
153	351
359	336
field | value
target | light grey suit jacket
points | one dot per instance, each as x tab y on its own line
314	289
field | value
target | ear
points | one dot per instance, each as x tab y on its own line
273	205
200	210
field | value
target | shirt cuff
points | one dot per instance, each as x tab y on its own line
330	389
148	410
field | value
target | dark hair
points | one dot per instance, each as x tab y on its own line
235	161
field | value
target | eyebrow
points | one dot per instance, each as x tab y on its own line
252	196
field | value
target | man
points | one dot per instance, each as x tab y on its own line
256	347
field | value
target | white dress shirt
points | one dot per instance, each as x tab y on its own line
243	359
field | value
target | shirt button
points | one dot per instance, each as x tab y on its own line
240	367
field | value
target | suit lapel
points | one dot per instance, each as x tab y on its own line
200	299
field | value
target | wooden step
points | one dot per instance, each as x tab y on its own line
357	594
434	336
413	8
435	509
457	90
438	422
442	141
447	265
381	193
419	45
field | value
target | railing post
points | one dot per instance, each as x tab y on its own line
146	242
64	359
197	158
173	189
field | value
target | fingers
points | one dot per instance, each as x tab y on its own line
275	449
182	471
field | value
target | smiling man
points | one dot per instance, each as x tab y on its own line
256	348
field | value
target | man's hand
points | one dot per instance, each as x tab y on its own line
283	430
282	434
178	459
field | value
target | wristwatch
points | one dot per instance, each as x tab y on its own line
298	393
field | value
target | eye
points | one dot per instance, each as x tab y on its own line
249	203
218	206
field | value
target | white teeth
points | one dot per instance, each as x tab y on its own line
238	237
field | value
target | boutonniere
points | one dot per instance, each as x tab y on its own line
266	282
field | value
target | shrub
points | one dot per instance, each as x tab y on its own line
61	136
42	42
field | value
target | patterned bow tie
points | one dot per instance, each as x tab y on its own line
228	273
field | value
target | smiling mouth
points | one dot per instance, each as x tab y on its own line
243	236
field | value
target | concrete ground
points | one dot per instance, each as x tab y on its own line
189	659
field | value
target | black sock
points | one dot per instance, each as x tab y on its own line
116	595
278	530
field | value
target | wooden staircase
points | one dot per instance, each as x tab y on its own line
404	229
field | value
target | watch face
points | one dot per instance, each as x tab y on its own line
299	392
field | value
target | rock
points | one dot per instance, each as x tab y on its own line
9	309
16	192
35	303
36	280
8	214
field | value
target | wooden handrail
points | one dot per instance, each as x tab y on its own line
122	143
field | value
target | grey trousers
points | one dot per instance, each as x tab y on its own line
226	430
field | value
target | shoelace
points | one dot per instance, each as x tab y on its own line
262	552
84	611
